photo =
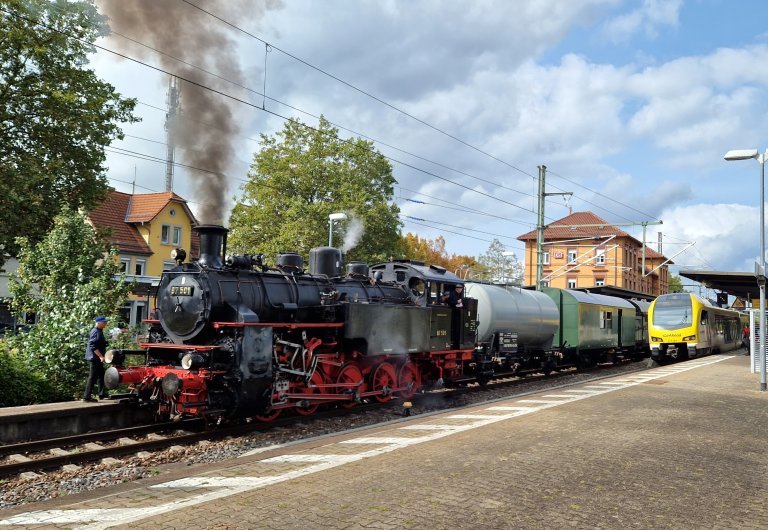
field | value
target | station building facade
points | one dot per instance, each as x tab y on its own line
582	250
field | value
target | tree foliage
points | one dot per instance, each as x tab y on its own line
56	116
67	279
432	251
675	284
502	268
299	177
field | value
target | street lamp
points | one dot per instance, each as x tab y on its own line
331	218
746	154
505	254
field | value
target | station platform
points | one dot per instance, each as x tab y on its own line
679	446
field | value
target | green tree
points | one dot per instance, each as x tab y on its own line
56	116
67	279
675	284
501	265
303	174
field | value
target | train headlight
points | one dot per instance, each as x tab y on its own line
191	361
115	357
656	339
689	337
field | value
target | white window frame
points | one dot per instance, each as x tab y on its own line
165	234
572	283
176	235
545	257
125	263
600	256
140	264
599	282
572	255
168	265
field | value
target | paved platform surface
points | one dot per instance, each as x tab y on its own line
680	446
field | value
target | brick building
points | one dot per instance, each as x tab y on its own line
582	250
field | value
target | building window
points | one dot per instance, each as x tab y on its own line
545	283
165	235
571	283
125	265
168	265
172	212
571	256
545	257
140	268
176	239
600	256
599	282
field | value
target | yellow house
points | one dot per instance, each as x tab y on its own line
145	228
582	250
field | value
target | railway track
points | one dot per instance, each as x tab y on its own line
47	454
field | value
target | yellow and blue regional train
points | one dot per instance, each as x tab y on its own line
684	326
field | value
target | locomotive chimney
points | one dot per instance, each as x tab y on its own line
213	245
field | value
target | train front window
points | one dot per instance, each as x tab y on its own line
673	312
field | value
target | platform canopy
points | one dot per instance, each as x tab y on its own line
739	284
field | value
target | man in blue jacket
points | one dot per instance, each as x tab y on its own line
94	354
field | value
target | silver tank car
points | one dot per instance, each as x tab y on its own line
531	314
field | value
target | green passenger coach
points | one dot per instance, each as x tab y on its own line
594	328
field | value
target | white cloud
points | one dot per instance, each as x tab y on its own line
646	19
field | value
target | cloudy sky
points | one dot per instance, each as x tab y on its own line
631	105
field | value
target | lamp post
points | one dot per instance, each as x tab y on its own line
505	254
331	218
746	154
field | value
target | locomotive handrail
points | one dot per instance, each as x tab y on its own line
288	325
167	345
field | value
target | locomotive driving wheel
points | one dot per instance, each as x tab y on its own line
266	417
383	381
408	379
350	381
314	387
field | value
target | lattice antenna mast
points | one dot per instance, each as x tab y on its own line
172	101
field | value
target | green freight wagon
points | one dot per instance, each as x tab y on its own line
594	328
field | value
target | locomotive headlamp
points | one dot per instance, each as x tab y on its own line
689	337
178	255
190	361
115	357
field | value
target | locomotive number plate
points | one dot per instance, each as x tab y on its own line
182	290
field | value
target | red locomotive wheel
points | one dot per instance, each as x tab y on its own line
409	379
383	381
272	415
312	406
350	380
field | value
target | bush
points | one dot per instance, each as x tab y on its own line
21	384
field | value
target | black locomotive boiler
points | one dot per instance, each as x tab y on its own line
235	338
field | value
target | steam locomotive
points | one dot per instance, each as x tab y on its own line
235	338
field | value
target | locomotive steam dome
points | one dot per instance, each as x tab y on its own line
326	261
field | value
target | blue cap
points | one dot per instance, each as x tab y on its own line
101	319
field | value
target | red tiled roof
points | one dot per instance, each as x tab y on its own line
568	228
145	207
110	214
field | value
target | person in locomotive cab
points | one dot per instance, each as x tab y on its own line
94	354
454	297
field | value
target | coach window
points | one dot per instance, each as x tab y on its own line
605	319
417	287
